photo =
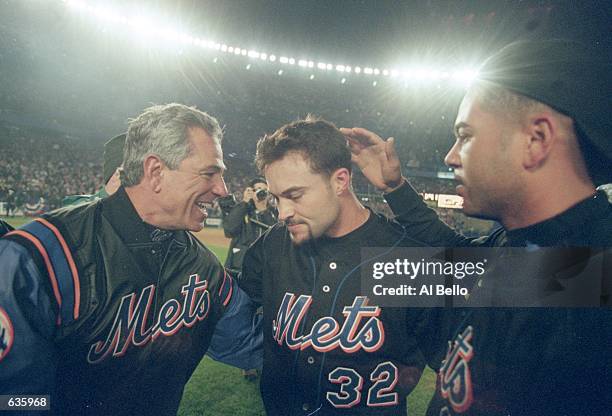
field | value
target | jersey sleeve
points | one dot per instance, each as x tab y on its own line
238	336
251	276
28	318
421	222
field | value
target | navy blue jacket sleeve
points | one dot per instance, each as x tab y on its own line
238	336
421	222
28	316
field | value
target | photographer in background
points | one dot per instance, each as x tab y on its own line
245	221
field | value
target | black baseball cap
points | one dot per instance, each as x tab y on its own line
574	79
113	156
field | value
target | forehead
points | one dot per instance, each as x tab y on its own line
292	171
472	112
259	185
205	152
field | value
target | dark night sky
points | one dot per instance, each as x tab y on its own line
56	64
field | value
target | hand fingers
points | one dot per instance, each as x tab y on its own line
390	150
354	144
365	137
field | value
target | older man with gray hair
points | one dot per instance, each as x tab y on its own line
108	307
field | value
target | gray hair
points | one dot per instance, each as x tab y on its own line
163	130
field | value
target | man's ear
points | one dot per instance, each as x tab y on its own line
541	137
341	180
154	169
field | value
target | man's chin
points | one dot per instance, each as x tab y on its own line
298	239
196	226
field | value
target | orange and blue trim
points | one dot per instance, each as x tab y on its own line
60	265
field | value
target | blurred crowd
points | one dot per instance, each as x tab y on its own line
38	168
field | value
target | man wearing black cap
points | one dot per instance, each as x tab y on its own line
532	144
113	156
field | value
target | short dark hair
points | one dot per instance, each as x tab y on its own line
256	180
316	139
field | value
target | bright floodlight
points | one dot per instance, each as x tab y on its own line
465	76
155	31
312	76
343	80
280	72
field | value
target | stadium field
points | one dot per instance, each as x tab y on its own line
219	390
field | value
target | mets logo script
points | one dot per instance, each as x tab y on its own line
361	329
7	335
130	325
455	376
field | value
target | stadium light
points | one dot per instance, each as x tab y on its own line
157	31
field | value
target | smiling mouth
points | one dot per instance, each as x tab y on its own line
203	206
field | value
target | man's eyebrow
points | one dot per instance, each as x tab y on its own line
458	126
212	168
288	191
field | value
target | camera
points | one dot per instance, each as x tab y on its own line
261	194
226	203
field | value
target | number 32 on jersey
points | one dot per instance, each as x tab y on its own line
381	393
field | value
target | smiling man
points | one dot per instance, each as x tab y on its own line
327	349
108	307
